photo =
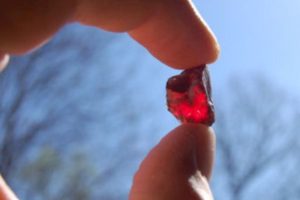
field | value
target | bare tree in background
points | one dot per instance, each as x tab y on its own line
257	139
52	101
27	81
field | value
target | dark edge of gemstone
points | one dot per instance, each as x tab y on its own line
179	83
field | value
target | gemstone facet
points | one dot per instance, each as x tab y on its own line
189	96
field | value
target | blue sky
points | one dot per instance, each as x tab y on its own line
260	36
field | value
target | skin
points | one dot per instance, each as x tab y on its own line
172	31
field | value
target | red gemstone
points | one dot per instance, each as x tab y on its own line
189	96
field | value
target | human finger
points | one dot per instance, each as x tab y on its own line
4	58
178	36
25	25
5	191
178	167
173	31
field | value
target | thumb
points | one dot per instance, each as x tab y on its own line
5	191
178	167
3	61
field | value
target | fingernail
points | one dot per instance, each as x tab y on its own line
200	186
4	58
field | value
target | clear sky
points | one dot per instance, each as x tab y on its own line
256	35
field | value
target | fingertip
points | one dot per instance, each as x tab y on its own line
213	52
185	144
178	36
202	138
4	59
5	192
178	167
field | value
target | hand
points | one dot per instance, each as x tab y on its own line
173	31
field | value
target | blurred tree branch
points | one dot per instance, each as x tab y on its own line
255	136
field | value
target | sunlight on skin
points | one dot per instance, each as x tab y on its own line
5	192
200	185
4	58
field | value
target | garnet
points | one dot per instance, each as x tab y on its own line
189	96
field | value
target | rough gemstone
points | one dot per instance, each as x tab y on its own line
189	96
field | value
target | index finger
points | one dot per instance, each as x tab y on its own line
177	35
171	30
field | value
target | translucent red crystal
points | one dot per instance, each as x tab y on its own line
189	96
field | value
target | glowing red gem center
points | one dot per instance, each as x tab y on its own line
189	96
